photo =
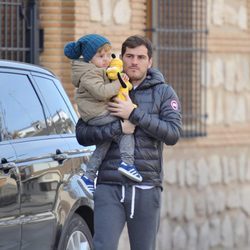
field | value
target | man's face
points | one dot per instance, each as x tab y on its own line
136	63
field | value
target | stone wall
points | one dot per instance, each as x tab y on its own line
206	201
228	65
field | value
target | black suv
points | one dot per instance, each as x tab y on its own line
41	204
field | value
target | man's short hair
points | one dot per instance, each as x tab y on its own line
135	41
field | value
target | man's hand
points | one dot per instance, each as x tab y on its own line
121	108
127	127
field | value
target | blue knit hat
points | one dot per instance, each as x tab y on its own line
86	46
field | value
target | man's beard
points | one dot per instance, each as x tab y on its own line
137	78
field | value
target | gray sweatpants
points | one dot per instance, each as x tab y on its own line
126	144
111	214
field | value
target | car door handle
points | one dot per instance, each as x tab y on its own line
59	156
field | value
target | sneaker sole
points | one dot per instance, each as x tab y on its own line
127	174
85	189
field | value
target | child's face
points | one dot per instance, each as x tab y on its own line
102	58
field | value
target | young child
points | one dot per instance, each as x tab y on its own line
91	56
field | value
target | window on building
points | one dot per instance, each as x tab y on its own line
178	30
20	37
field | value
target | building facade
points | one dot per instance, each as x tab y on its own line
206	201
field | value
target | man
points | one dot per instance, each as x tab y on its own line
155	120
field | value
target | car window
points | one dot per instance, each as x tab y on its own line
59	111
21	113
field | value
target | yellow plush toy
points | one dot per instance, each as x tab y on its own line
115	66
114	72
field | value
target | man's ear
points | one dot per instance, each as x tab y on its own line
150	63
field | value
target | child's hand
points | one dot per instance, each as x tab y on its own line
125	77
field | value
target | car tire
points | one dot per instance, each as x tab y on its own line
77	235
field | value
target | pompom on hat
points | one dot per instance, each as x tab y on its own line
86	46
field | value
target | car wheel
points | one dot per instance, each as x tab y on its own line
77	235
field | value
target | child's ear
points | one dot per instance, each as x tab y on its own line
120	56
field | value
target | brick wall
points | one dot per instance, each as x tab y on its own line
68	20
